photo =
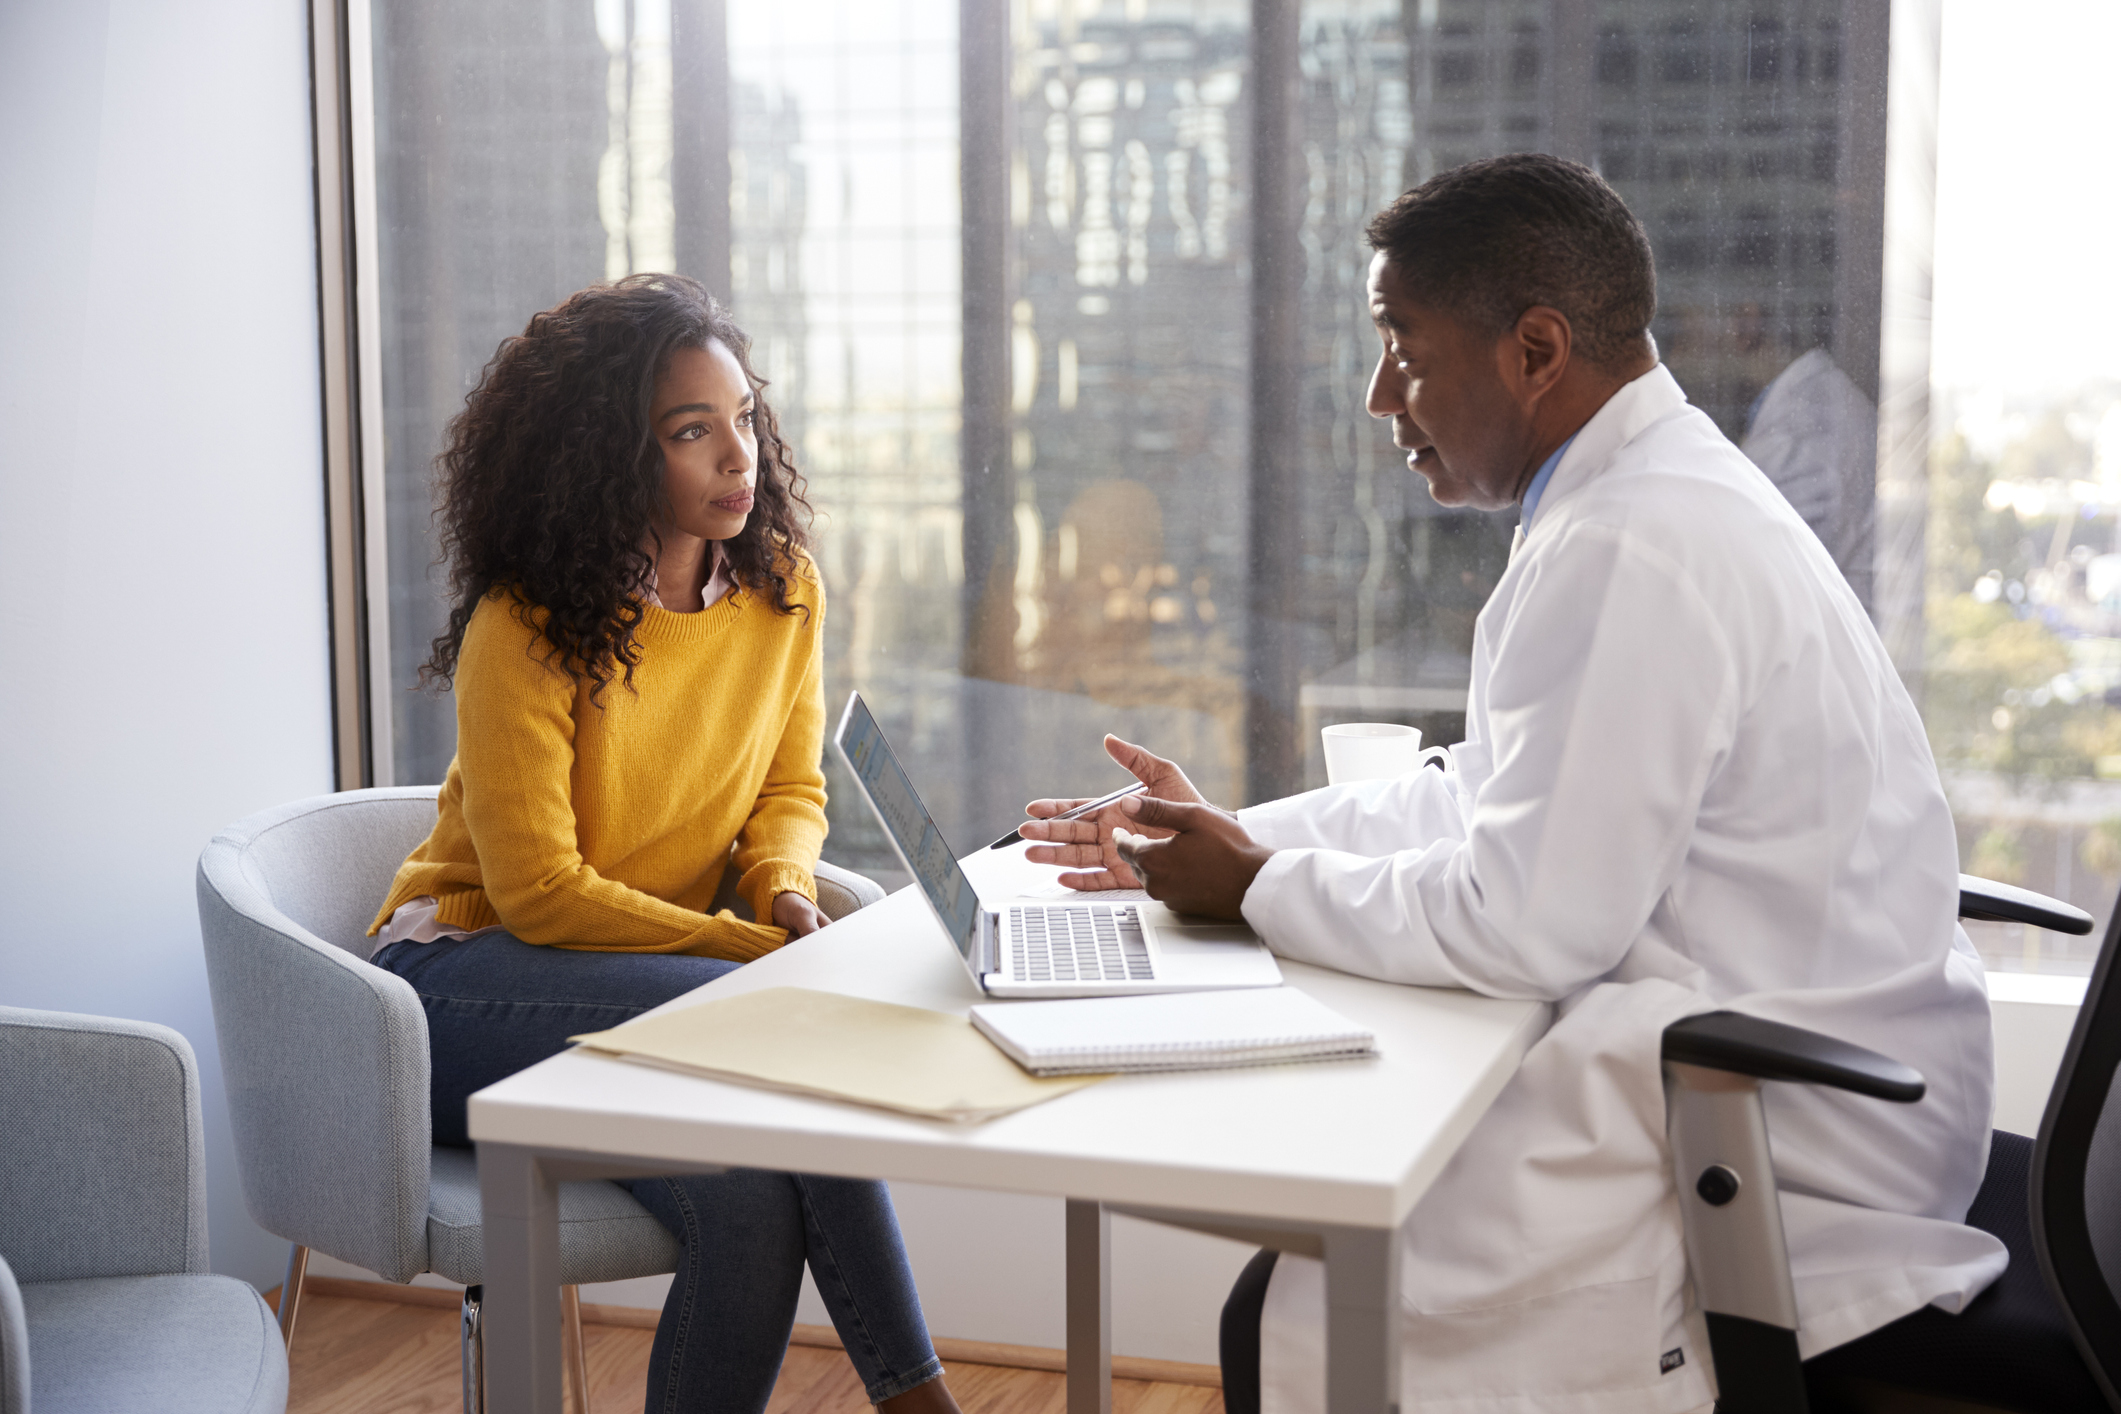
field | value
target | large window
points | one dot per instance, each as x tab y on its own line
2021	673
1061	302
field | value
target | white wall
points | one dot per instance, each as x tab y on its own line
162	592
2034	1015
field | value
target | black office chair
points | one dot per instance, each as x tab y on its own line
2024	1346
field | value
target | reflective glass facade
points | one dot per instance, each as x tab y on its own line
1075	366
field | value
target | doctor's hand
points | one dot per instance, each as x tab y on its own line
1086	844
1204	862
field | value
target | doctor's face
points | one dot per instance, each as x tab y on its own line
1441	384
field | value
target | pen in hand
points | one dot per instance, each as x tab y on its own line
1087	808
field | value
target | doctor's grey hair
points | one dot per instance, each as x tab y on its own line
1488	240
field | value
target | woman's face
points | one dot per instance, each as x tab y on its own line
702	418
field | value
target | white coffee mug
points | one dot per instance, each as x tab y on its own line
1375	751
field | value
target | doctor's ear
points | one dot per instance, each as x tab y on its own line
1537	350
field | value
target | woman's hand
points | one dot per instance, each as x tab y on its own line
1086	844
797	914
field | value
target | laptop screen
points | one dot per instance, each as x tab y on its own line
922	846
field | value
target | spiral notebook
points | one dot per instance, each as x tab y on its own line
1173	1031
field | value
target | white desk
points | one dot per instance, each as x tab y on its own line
1324	1159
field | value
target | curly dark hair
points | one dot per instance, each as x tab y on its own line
551	478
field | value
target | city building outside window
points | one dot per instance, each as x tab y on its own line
1060	302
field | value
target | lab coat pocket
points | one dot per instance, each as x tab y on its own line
1564	1184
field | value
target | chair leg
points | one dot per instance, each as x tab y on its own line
291	1291
472	1334
577	1351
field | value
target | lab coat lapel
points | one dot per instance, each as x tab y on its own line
1629	413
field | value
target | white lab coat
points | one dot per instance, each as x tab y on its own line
1691	779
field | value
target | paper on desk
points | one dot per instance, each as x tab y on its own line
901	1058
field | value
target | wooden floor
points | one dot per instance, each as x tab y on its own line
385	1357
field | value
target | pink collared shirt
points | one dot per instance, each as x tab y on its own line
720	582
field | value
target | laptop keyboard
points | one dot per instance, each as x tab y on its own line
1077	943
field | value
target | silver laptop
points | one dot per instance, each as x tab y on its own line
1032	947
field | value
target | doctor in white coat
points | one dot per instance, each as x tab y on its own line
1691	780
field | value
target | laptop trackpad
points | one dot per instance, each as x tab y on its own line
1201	953
1203	939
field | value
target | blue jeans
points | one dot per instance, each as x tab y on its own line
495	1006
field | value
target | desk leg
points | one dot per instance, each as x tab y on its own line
1362	1321
1089	1308
521	1203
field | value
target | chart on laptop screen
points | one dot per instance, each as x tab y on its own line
892	795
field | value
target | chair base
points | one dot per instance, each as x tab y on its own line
1832	1396
571	1342
291	1292
1757	1370
471	1334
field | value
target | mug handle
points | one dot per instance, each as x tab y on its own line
1441	753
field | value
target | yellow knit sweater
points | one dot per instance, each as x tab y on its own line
606	827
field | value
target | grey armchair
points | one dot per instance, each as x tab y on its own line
326	1063
105	1300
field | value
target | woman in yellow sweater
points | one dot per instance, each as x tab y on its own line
635	647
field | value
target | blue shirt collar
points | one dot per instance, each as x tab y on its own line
1538	487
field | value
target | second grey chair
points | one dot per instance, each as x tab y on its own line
105	1298
326	1063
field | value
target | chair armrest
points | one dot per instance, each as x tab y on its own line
14	1346
102	1152
1992	902
842	891
325	1060
1769	1050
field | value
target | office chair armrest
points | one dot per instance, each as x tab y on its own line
1769	1050
1992	902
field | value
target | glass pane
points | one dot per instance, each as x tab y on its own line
497	187
524	154
844	263
1128	344
1751	149
1120	608
1392	581
2022	666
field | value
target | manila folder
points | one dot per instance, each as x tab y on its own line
901	1058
